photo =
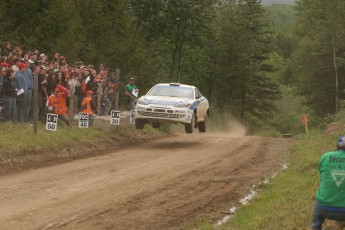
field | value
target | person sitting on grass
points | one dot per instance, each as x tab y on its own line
57	103
88	106
330	197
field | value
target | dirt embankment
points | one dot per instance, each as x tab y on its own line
25	159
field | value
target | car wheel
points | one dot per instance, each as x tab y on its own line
203	125
139	123
156	125
189	127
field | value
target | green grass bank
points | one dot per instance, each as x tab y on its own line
287	201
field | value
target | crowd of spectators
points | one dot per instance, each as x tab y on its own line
18	68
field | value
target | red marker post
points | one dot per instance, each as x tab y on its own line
305	120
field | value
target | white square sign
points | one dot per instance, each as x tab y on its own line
115	117
52	121
83	120
132	116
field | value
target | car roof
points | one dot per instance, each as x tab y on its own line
176	84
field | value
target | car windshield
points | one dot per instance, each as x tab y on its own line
171	91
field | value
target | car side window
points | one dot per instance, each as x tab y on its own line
197	94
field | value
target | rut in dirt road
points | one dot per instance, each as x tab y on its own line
159	185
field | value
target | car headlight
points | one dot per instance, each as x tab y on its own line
142	102
183	105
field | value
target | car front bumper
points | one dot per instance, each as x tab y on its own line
164	114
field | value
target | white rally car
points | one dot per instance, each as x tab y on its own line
172	103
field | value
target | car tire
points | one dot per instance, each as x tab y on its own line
156	125
190	126
202	126
139	123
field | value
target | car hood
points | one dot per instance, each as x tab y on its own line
165	101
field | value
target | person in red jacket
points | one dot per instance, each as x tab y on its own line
57	103
88	106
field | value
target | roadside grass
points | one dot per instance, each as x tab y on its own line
16	137
287	201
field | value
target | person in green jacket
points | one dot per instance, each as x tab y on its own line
330	196
131	91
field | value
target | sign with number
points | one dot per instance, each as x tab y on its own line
115	117
83	120
52	120
132	116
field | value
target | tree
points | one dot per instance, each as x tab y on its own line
319	58
243	49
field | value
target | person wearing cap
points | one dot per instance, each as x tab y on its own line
57	103
330	196
88	106
5	64
131	91
22	90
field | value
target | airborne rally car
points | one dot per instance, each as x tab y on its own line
173	103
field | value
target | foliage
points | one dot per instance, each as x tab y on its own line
319	60
225	48
242	47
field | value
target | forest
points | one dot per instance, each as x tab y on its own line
266	65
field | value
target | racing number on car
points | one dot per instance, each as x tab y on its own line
83	120
52	120
132	116
115	117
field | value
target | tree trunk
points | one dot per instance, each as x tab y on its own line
336	74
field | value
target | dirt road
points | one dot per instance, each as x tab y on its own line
163	184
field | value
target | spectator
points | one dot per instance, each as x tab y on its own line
19	54
22	91
330	202
14	61
88	106
10	93
131	91
107	95
51	84
7	49
57	103
56	56
28	94
42	93
36	51
32	61
42	58
17	50
2	75
62	61
5	65
55	66
26	56
73	85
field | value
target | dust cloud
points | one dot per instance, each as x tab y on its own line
230	127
